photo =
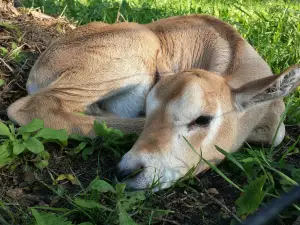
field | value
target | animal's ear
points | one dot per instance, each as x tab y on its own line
267	89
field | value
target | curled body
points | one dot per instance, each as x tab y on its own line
193	77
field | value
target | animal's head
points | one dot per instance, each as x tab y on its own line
201	107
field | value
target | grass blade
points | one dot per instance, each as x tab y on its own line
283	175
214	168
231	158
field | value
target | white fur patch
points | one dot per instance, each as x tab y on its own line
31	87
128	103
188	107
214	127
280	135
152	102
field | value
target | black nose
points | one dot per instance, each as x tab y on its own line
128	173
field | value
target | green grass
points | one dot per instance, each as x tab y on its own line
272	27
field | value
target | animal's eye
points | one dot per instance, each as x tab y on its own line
203	121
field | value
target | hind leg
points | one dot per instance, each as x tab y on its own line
265	131
60	110
51	111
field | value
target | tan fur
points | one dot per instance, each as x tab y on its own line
108	71
203	42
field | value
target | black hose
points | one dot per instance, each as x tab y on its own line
272	209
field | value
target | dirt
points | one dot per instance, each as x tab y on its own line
31	32
209	200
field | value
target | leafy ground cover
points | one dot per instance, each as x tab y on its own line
48	177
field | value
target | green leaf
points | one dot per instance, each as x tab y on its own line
120	190
90	204
86	152
101	186
34	145
42	164
133	198
33	126
44	155
5	157
124	218
138	195
12	128
43	218
117	133
68	177
102	130
86	223
25	136
18	148
52	134
4	51
4	130
252	197
78	149
14	45
2	82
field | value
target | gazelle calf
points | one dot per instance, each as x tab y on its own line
192	76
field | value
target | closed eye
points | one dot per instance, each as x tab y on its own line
202	121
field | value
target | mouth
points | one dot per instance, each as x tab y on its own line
148	172
137	180
133	185
148	179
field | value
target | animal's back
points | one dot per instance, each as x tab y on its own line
205	42
89	51
195	41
